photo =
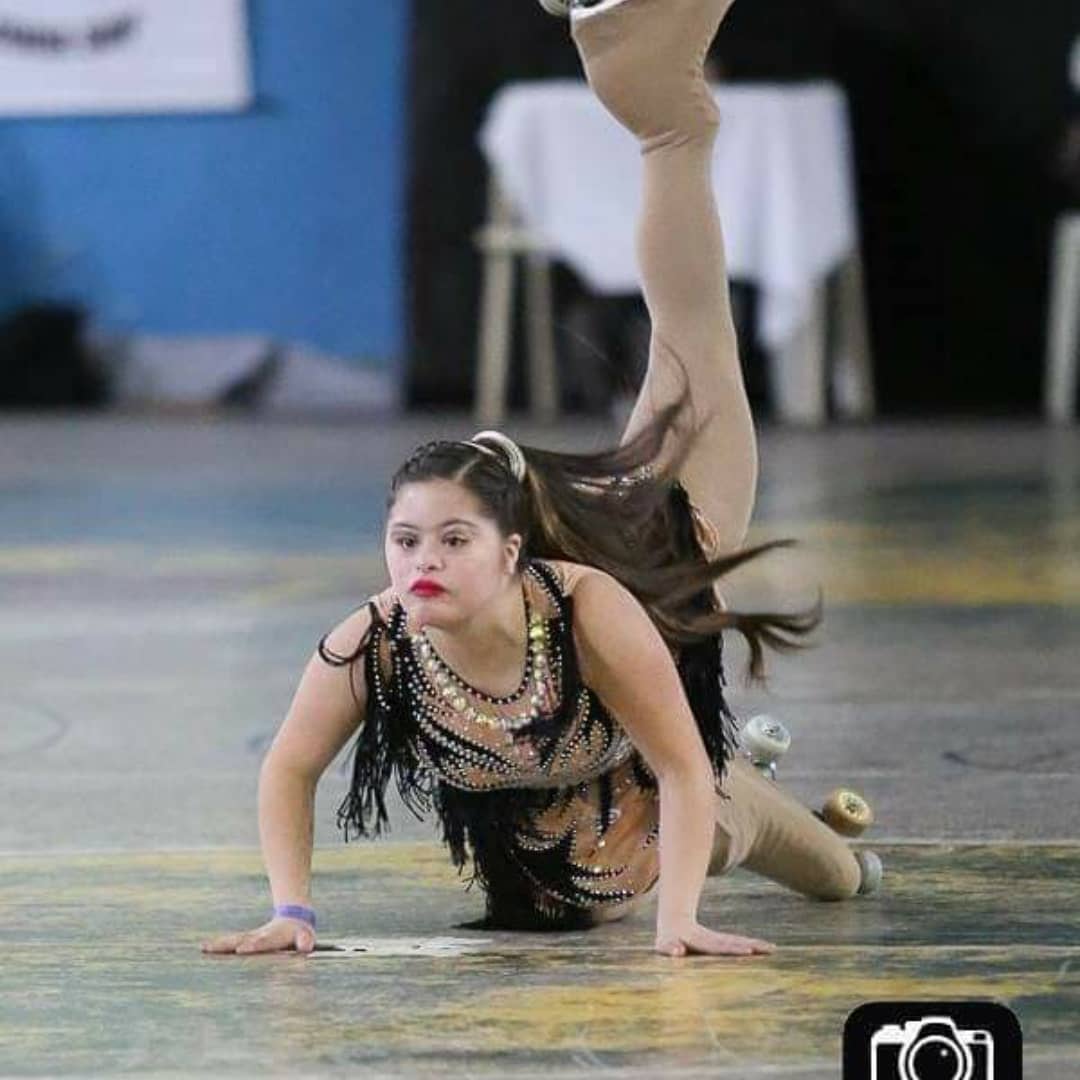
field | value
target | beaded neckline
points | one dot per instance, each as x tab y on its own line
431	659
445	685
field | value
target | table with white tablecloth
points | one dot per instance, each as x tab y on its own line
569	186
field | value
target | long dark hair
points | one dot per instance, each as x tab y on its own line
623	511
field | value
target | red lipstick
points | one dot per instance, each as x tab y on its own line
426	587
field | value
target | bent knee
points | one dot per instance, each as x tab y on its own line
840	879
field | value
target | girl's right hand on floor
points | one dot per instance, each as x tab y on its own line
278	935
686	938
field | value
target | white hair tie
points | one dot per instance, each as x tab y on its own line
512	454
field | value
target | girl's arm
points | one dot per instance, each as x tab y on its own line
326	710
627	663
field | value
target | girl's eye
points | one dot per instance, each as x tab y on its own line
408	541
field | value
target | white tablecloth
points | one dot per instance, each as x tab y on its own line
783	177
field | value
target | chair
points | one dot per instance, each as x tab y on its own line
800	372
1063	322
500	242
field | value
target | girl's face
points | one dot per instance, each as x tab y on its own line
436	533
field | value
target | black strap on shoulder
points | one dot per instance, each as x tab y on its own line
551	579
336	659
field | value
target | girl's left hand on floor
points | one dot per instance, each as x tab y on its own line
692	937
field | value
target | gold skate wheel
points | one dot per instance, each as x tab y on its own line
847	813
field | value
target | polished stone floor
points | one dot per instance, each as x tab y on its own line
161	585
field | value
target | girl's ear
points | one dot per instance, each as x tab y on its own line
513	551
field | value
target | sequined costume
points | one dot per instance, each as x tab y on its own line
560	816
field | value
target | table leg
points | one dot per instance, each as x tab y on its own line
496	312
797	368
853	371
1063	331
539	307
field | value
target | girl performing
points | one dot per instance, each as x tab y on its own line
544	670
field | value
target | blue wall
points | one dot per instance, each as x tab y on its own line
286	220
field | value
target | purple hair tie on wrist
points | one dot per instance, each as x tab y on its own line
295	911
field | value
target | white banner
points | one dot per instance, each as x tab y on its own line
123	56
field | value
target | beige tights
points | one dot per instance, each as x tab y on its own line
762	827
644	60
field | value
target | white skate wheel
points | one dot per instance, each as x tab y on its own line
847	813
765	740
559	8
872	871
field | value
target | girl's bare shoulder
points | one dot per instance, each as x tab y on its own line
346	637
570	574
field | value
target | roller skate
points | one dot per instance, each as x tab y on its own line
561	9
872	871
765	741
847	813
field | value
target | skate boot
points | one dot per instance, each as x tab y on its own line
766	741
872	871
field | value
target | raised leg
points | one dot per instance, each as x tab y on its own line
645	61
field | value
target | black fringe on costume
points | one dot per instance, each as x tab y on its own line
701	665
477	827
481	825
383	749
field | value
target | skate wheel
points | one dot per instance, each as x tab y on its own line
847	813
872	871
765	740
559	8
